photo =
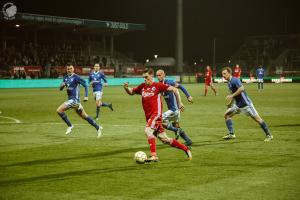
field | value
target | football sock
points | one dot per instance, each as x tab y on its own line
214	90
258	86
152	144
92	122
264	126
97	111
229	125
185	137
65	118
177	144
262	86
172	128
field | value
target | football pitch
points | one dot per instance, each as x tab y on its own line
38	161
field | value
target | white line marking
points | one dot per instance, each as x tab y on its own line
11	118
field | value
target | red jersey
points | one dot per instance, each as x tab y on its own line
151	98
208	76
237	71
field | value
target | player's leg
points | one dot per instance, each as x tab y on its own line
174	143
81	112
262	84
61	112
152	144
213	88
205	88
255	116
98	104
183	135
167	122
230	112
104	104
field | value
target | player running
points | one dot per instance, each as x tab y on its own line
260	73
171	117
208	81
72	82
240	102
95	80
152	105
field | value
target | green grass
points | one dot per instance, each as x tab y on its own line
38	161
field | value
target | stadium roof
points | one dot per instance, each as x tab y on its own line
82	25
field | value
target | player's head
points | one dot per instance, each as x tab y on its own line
96	67
226	73
208	67
160	75
70	69
148	76
237	66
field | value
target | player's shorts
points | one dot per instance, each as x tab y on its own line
208	82
171	116
260	80
247	110
72	103
98	95
155	122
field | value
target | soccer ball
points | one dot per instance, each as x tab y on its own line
140	157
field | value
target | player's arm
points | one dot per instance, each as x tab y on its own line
178	98
103	77
62	85
236	93
186	93
128	89
86	89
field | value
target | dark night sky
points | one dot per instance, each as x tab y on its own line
227	20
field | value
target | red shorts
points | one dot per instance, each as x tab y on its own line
208	82
155	122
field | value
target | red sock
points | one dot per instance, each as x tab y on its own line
152	143
177	144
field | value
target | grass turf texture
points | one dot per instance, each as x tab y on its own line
38	161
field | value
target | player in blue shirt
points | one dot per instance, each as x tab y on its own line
72	83
95	79
171	117
239	102
260	73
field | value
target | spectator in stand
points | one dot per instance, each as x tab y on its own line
237	71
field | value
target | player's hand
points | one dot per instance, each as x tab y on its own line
105	84
125	85
181	107
229	97
190	99
62	85
85	99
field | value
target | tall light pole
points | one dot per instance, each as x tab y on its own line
179	41
214	54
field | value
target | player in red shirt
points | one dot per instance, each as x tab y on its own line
237	71
153	107
208	80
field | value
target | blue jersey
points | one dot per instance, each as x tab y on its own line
170	97
72	83
96	78
260	72
242	99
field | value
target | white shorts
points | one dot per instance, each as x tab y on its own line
171	116
247	110
98	95
71	103
260	80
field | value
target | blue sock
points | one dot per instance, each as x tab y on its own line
97	111
92	122
229	125
185	137
105	104
264	126
172	128
65	118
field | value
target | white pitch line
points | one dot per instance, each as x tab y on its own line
11	118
